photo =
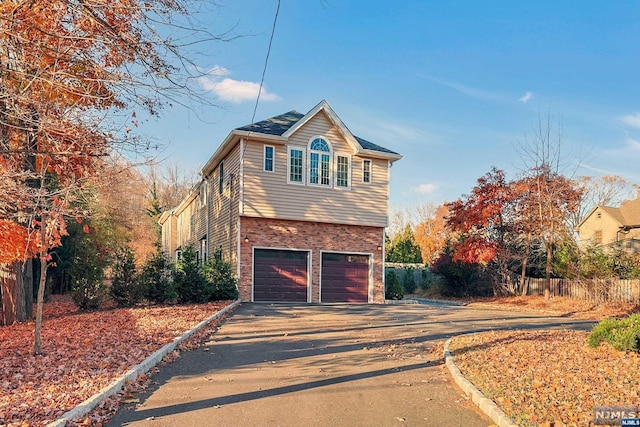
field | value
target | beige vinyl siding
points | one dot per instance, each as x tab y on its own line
605	223
169	235
267	194
223	208
186	226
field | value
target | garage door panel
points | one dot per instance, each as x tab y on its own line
345	278
280	275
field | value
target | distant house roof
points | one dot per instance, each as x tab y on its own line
279	124
627	215
630	211
614	213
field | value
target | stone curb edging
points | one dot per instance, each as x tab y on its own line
133	373
485	404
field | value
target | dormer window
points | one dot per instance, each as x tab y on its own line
319	162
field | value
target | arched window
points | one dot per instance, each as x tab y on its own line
319	162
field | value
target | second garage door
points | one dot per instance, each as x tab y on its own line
280	275
345	278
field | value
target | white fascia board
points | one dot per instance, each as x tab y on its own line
378	154
230	141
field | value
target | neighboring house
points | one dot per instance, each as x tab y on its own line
609	226
297	204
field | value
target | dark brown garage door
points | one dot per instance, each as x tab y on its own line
345	278
280	275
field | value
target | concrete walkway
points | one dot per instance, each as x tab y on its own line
324	365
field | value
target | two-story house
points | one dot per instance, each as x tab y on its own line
613	226
297	204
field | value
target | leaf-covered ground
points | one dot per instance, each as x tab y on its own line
550	378
82	353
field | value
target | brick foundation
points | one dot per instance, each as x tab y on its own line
311	236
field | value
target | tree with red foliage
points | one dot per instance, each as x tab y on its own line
488	227
66	68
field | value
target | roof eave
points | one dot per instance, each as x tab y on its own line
230	141
363	152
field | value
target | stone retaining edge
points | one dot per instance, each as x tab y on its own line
133	373
485	404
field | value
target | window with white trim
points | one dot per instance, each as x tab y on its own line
203	193
343	165
296	169
203	249
319	162
366	171
269	152
221	178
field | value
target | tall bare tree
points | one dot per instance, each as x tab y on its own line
553	197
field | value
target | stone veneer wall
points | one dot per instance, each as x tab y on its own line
312	236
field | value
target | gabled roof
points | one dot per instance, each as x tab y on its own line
275	125
278	129
627	215
614	213
371	146
630	211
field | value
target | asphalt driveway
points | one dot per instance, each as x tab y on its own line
324	365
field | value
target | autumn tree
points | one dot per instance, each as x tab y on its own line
488	228
66	69
554	197
431	232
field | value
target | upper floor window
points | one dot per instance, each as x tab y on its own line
295	165
342	171
221	177
319	162
203	193
268	158
366	171
597	236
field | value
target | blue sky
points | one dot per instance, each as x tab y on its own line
453	86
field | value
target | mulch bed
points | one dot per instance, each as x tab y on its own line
548	378
82	353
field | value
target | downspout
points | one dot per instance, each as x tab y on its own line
240	206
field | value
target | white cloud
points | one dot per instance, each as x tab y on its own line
426	188
632	120
236	91
527	97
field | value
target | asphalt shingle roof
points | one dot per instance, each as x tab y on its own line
275	125
367	145
279	124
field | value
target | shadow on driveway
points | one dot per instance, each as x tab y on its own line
292	365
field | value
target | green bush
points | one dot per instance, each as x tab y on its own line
218	273
409	281
88	289
155	279
393	289
125	288
622	334
190	282
88	293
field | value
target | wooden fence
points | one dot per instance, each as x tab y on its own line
599	290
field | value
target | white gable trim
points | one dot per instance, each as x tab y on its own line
333	117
